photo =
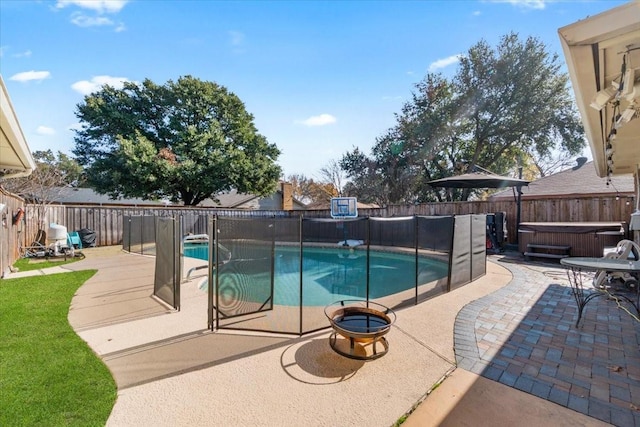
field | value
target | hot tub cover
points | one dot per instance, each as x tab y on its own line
572	227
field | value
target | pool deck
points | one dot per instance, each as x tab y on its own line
501	349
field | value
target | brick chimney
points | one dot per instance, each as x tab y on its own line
287	196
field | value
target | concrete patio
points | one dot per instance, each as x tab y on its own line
504	349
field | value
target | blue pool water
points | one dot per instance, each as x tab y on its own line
329	274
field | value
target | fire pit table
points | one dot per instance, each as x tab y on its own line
363	325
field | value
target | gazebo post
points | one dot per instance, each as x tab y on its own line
518	211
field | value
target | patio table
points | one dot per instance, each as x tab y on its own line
581	270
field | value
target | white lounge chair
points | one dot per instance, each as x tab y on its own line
625	249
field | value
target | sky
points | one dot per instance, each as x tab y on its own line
319	77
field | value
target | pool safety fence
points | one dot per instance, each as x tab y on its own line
139	234
278	274
168	266
139	231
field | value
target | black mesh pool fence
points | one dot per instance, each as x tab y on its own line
276	274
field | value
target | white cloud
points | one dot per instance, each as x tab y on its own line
28	76
527	4
237	38
82	20
100	6
5	49
25	54
237	42
321	120
45	130
445	62
85	87
476	13
96	10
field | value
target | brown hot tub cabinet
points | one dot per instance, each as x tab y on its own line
556	240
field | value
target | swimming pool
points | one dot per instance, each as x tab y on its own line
329	274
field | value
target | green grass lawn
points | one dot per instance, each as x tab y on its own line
27	264
48	375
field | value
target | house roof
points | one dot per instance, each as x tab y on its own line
229	200
598	50
87	196
233	200
326	205
579	180
15	157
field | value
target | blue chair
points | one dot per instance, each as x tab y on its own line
73	240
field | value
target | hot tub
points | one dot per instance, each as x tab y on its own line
587	239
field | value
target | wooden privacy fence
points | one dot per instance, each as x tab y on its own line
10	206
570	209
106	221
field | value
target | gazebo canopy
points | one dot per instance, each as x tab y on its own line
478	180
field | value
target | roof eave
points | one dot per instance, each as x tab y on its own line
15	154
586	44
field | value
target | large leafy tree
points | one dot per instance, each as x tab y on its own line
186	141
503	107
367	181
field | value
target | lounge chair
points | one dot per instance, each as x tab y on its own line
73	247
73	239
625	249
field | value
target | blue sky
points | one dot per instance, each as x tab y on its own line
320	78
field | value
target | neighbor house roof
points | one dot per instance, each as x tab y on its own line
579	180
234	200
326	205
87	196
229	200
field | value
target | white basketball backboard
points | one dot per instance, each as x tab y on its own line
344	207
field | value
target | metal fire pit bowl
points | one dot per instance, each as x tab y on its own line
363	326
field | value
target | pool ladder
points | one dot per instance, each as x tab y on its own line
193	269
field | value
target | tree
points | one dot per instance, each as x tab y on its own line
366	180
311	192
333	175
53	172
298	183
549	164
186	141
501	106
